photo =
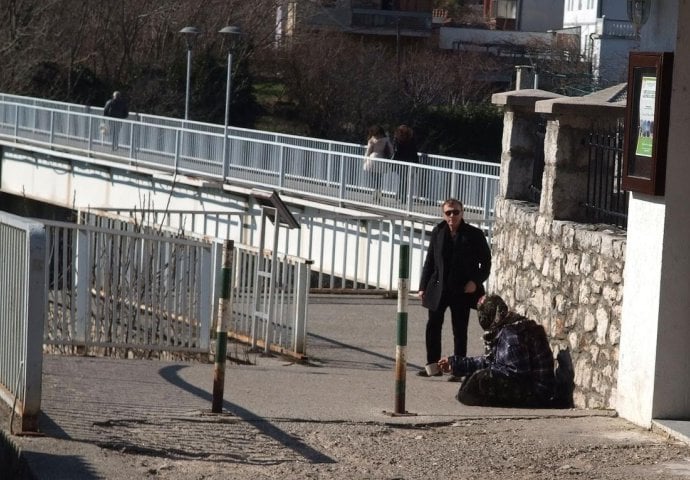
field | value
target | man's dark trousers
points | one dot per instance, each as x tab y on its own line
459	315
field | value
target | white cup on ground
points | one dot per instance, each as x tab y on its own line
432	369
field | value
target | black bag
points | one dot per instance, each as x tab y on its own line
387	150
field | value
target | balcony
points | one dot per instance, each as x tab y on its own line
387	22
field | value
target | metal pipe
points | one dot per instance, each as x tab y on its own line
224	311
227	116
189	73
401	347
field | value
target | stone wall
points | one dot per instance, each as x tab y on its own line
547	263
569	277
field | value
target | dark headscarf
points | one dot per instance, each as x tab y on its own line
492	312
493	315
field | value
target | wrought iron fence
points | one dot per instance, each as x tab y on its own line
534	190
606	202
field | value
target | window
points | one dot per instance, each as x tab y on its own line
505	9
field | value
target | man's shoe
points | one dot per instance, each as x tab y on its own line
453	378
422	373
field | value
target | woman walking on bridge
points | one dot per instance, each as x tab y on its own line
378	146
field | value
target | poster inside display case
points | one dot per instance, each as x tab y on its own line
646	122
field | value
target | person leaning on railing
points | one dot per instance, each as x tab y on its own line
404	150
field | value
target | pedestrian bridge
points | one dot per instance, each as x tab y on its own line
157	200
192	175
321	170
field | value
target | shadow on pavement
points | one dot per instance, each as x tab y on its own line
291	442
69	464
389	359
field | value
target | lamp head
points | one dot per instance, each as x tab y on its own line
638	13
190	34
230	30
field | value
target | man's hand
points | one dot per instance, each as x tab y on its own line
444	365
420	294
470	287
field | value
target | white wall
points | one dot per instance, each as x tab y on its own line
579	16
641	279
654	365
672	392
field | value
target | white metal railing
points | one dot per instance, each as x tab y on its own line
118	286
323	170
22	290
348	252
617	28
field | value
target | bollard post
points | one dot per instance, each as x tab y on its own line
401	344
224	311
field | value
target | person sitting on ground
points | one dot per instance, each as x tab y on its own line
517	369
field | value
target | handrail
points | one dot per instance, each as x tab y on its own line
323	170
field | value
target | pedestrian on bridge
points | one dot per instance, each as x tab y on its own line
378	146
457	264
405	151
116	107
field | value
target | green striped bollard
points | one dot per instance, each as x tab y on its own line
401	347
224	311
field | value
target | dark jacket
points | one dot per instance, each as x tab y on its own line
467	257
116	107
405	151
519	349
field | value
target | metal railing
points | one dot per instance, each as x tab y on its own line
116	289
606	202
22	294
322	170
348	252
617	28
123	287
406	21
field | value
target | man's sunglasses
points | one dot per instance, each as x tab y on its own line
455	212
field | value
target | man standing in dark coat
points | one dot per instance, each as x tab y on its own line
457	263
116	107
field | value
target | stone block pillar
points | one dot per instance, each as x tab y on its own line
520	145
566	154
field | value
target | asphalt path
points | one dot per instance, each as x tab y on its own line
101	416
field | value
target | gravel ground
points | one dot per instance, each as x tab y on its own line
113	420
603	448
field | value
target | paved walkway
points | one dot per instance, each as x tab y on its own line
156	407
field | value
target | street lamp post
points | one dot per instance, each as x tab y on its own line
190	34
230	31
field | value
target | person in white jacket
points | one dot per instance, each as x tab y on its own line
378	146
